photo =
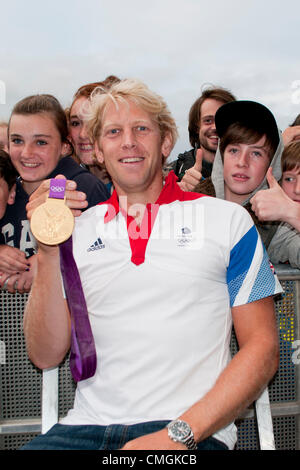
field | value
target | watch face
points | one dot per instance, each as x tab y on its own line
180	429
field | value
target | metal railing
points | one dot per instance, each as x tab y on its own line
21	381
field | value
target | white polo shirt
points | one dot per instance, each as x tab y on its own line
160	301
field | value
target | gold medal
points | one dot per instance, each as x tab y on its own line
52	223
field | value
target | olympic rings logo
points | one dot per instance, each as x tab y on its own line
57	189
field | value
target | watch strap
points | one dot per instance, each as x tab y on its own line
190	442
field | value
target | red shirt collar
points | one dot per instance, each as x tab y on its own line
170	192
139	235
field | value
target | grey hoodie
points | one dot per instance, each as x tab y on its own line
281	240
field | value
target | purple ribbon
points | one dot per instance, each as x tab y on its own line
83	359
57	188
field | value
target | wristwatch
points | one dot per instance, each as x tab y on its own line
180	431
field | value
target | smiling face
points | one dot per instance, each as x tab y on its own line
291	183
84	149
131	147
207	130
35	147
245	167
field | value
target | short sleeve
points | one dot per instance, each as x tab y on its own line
250	276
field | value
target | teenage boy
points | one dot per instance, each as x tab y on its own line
290	162
250	144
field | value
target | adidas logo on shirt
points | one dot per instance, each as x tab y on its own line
97	245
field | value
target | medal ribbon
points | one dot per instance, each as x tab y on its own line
57	189
83	359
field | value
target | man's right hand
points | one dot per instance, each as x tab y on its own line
75	200
193	175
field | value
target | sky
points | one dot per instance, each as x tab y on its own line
177	47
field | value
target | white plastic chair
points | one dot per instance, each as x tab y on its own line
49	398
264	421
50	409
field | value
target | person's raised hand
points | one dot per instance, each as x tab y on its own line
193	175
273	203
75	200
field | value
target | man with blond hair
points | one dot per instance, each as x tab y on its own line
172	273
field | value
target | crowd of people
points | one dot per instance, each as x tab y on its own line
183	251
205	168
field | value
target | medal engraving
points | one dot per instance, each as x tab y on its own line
52	223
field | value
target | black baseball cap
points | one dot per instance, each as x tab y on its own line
250	114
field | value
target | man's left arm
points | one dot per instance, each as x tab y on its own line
240	383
